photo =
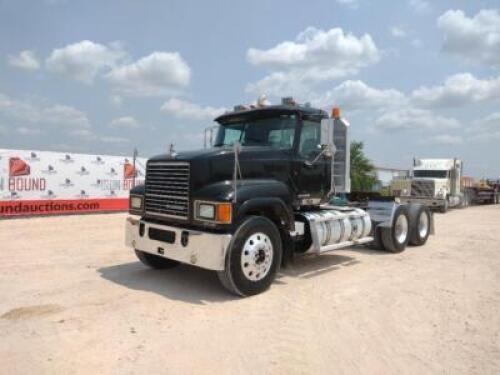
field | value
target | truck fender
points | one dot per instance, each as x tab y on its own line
272	205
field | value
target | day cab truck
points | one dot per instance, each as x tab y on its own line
260	196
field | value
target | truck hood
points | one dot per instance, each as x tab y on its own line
208	153
216	164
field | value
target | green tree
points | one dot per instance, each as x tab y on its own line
363	173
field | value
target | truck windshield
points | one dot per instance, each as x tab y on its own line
430	173
276	132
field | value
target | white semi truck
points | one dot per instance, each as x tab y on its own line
435	183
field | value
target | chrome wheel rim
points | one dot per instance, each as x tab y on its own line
423	225
401	229
257	256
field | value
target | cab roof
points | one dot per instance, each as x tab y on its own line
269	110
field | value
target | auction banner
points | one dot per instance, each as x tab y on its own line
44	183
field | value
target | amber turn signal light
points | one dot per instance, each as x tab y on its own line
224	213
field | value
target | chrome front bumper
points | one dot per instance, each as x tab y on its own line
429	202
205	250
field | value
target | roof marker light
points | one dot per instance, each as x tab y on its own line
262	101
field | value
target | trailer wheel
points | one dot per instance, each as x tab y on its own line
396	237
155	261
420	221
253	257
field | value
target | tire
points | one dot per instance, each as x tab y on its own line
155	261
396	237
444	208
377	244
253	258
420	224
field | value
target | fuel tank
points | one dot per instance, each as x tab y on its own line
335	228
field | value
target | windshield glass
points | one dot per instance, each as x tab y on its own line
276	132
430	173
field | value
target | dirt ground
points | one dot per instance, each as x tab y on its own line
75	300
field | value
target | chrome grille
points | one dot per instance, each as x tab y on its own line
422	188
167	189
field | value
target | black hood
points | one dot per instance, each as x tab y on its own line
216	164
207	153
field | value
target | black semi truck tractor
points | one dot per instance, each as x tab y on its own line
260	196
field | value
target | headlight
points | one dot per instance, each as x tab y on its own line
216	212
206	211
136	203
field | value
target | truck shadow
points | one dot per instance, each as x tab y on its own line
310	266
184	283
198	286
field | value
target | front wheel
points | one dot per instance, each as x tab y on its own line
253	257
444	208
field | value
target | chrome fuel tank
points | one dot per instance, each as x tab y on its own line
332	228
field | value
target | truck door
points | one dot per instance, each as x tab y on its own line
311	180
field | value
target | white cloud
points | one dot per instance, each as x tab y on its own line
414	119
111	139
398	32
116	100
358	95
41	113
458	90
28	131
26	60
314	56
159	73
416	42
190	111
476	39
445	139
419	6
126	122
350	3
84	134
486	128
84	60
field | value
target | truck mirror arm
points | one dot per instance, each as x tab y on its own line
325	150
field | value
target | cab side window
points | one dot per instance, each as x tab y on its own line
310	138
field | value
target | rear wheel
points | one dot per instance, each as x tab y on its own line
155	261
377	244
420	220
396	237
253	257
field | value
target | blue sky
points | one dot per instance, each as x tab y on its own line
414	77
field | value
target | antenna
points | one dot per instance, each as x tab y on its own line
171	150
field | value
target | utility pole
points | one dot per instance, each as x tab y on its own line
134	160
